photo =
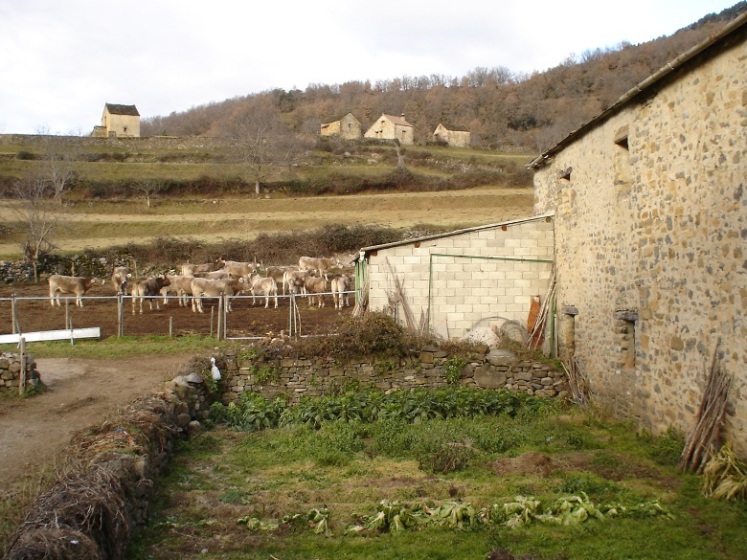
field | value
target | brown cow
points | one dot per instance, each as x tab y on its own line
148	288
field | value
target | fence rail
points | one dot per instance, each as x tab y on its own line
296	315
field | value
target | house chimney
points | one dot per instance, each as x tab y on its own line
403	117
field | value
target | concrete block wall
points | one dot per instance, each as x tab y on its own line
476	277
655	229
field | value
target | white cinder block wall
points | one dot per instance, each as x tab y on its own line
474	277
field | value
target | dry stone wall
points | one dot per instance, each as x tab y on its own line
10	371
294	378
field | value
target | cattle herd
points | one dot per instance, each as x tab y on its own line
313	277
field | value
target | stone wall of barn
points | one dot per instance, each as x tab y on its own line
651	245
295	378
481	277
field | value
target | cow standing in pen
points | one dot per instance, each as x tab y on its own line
149	288
76	285
120	277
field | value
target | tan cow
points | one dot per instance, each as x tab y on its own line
120	276
340	286
180	285
262	286
214	288
191	269
319	264
315	287
78	285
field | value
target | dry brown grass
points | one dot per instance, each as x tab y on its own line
102	224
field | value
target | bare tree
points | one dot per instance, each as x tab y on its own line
262	140
149	188
57	165
38	215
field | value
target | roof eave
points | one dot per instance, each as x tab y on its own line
638	89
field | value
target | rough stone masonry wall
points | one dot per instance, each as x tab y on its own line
481	277
296	378
650	237
10	370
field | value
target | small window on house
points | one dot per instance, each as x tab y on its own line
622	166
625	333
621	137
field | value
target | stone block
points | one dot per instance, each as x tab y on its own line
498	357
489	378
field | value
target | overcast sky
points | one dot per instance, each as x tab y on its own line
61	60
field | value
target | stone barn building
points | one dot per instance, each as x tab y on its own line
121	121
456	282
453	136
346	128
650	212
389	127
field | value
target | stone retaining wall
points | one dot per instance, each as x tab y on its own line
295	378
10	371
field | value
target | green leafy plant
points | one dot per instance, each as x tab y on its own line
453	367
264	374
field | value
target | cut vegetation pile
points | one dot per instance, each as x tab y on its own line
94	505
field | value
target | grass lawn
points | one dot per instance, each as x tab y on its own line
298	493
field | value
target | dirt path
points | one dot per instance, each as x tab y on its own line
80	393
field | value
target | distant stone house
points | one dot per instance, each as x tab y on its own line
347	128
650	211
118	121
459	281
389	127
453	136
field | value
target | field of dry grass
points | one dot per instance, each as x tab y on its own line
99	224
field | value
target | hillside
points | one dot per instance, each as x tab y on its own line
499	107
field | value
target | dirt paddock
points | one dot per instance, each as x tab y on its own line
100	309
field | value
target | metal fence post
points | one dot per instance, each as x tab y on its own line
221	314
22	377
120	315
16	328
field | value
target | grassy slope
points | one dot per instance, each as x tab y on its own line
95	223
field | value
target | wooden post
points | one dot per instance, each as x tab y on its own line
212	316
22	377
67	313
171	327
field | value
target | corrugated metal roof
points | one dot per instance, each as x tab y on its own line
456	232
732	27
